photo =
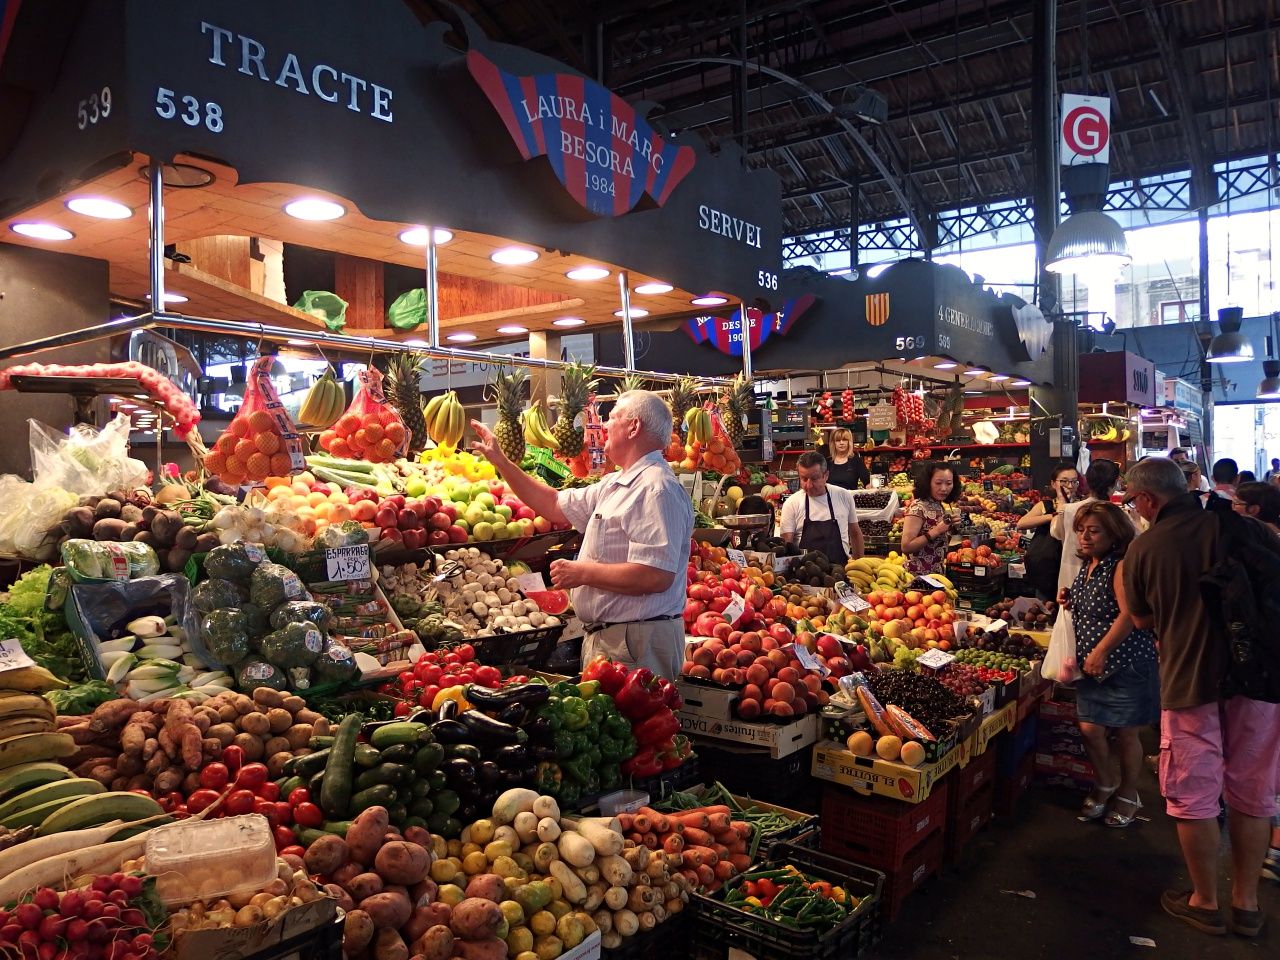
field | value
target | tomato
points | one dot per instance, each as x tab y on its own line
490	677
408	676
266	808
252	776
403	709
415	689
465	652
516	680
284	837
200	799
215	776
239	802
308	815
427	672
449	680
284	813
467	676
452	659
294	850
233	757
299	795
269	791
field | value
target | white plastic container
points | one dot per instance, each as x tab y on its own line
209	859
622	801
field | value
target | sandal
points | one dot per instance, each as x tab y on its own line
1094	809
1117	819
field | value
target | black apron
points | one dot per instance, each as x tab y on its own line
823	535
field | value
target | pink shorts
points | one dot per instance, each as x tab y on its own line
1219	749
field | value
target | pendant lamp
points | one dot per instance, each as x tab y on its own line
1230	345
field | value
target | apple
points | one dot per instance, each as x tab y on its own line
482	531
542	524
393	535
485	500
438	538
414	538
503	511
439	521
386	517
456	534
497	489
525	513
408	520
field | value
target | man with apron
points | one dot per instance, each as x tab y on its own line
822	514
628	580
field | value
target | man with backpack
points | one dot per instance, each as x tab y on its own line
1207	582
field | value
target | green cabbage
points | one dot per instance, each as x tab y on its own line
254	672
226	635
301	611
336	665
217	594
294	645
234	561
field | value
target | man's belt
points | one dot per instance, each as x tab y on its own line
602	625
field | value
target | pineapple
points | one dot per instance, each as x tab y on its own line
737	401
509	389
683	397
576	385
403	389
632	381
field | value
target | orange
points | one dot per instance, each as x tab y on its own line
260	422
386	449
347	424
387	416
258	466
339	448
373	432
226	444
267	443
395	432
360	438
215	462
326	439
238	428
234	467
245	449
281	464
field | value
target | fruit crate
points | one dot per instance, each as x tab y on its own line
1012	788
968	580
756	774
971	779
919	865
1011	747
879	832
669	781
880	546
968	818
721	931
529	648
323	942
663	941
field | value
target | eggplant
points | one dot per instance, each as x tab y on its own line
459	770
539	730
530	772
448	710
515	778
488	774
366	729
450	731
422	716
468	812
542	751
529	694
514	714
515	755
489	730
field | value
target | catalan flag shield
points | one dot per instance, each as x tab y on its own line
877	309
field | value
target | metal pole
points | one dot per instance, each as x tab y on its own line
745	327
628	340
155	235
433	290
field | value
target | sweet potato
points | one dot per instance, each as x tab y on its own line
357	932
365	835
402	862
326	855
435	944
389	945
490	948
475	919
388	910
487	886
364	885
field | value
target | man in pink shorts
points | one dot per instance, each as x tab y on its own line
1209	747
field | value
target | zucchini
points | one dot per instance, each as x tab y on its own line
428	758
314	784
320	743
382	773
400	753
308	835
393	733
337	827
290	784
367	756
335	790
380	795
307	764
422	807
397	813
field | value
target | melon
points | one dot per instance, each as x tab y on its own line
735	494
554	602
518	568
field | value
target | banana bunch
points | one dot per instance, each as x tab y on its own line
536	431
698	424
22	713
1114	431
323	404
445	418
30	680
873	573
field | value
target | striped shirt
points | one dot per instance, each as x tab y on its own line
641	515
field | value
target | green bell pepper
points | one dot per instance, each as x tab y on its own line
610	776
593	782
565	689
595	711
616	725
570	793
577	768
574	713
565	744
552	712
611	749
588	689
548	777
592	754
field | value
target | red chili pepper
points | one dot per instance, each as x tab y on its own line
233	757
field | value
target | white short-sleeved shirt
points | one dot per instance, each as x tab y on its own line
641	515
841	502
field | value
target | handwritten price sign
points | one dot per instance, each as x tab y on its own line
13	657
347	563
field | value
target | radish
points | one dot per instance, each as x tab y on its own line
46	898
92	909
72	903
29	916
47	951
77	930
111	911
133	918
51	927
132	886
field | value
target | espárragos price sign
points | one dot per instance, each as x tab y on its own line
347	563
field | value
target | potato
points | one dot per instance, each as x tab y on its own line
435	944
364	885
326	854
419	835
489	949
276	745
251	745
294	861
476	919
223	732
298	735
389	945
243	705
357	932
280	719
276	762
391	910
423	893
366	833
256	723
400	861
487	886
340	896
420	921
347	872
266	697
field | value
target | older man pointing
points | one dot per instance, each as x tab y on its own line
628	584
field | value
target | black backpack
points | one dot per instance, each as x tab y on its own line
1242	589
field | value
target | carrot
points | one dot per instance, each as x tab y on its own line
693	837
740	861
738	846
706	875
624	823
715	808
694	818
742	829
724	870
691	875
650	840
695	856
673	843
641	823
636	838
661	823
721	850
719	822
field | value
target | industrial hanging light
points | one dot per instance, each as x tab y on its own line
1230	345
1269	388
1089	240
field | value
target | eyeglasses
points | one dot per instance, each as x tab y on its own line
1071	480
1129	498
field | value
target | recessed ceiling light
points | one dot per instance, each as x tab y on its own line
298	343
635	312
649	289
172	298
587	273
974	373
513	328
568	322
314	208
99	207
414	342
417	236
947	365
997	377
1020	383
513	256
709	301
41	231
461	337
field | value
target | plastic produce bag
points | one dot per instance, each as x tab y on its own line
1060	661
329	307
92	560
370	429
85	461
409	310
260	441
99	611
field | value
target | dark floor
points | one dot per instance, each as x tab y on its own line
1095	888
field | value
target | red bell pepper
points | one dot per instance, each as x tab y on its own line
658	727
671	698
640	695
612	676
646	763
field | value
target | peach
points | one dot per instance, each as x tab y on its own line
699	671
746	658
726	658
789	674
752	691
782	709
748	709
783	691
758	674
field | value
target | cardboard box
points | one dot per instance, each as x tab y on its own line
1067	766
707	701
781	740
232	943
993	725
831	761
1058	710
588	949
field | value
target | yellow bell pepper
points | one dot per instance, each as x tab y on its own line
451	693
838	894
754	901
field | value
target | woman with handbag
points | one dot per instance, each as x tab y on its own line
1120	690
1044	556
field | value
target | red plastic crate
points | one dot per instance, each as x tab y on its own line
917	867
876	831
1010	790
969	780
968	819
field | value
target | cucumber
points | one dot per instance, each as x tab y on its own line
313	785
400	753
320	743
397	813
382	773
427	758
405	731
367	756
307	764
308	835
338	828
446	802
381	795
422	807
290	784
335	790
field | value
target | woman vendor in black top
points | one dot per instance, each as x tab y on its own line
844	465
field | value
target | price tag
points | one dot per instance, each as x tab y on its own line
531	583
850	599
347	563
995	625
781	564
808	660
1017	571
987	486
979	571
451	568
734	611
935	583
737	556
935	659
13	657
